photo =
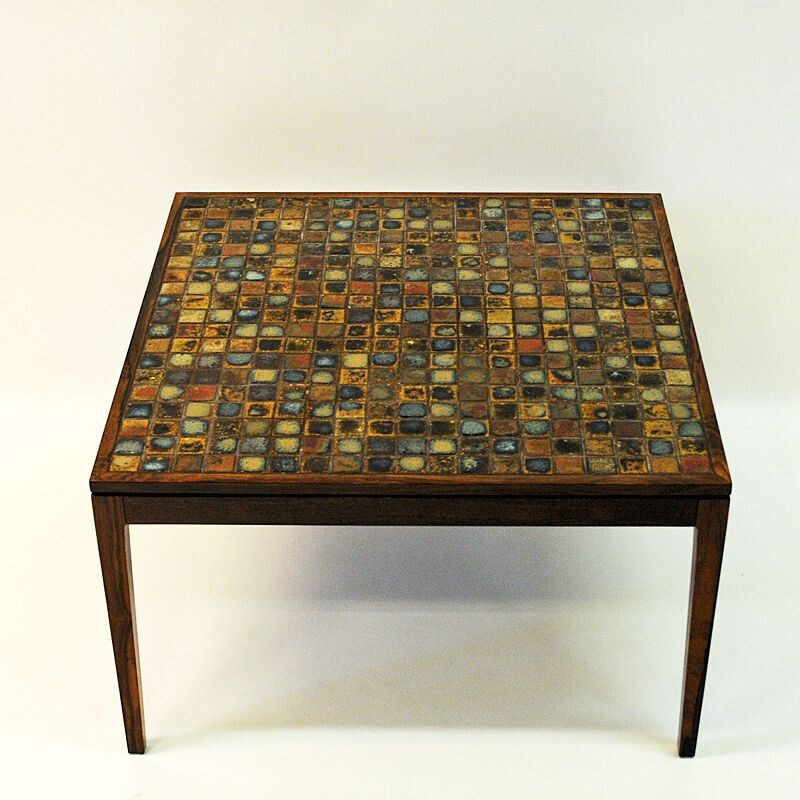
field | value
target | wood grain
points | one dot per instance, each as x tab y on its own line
709	542
412	510
459	485
115	560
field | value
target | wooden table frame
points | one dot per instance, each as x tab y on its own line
700	501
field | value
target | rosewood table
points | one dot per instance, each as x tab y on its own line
506	359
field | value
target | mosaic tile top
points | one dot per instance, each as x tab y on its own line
510	335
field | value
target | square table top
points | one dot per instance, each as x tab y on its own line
529	343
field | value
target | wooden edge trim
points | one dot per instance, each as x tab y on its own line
714	439
294	193
486	485
135	344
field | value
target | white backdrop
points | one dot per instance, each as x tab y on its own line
392	663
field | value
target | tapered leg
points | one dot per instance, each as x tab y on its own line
709	541
115	559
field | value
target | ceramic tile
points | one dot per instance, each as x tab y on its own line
441	335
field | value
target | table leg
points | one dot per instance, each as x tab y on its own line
113	543
709	541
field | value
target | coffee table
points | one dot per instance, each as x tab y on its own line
397	359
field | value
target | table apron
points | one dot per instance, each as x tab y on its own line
408	510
